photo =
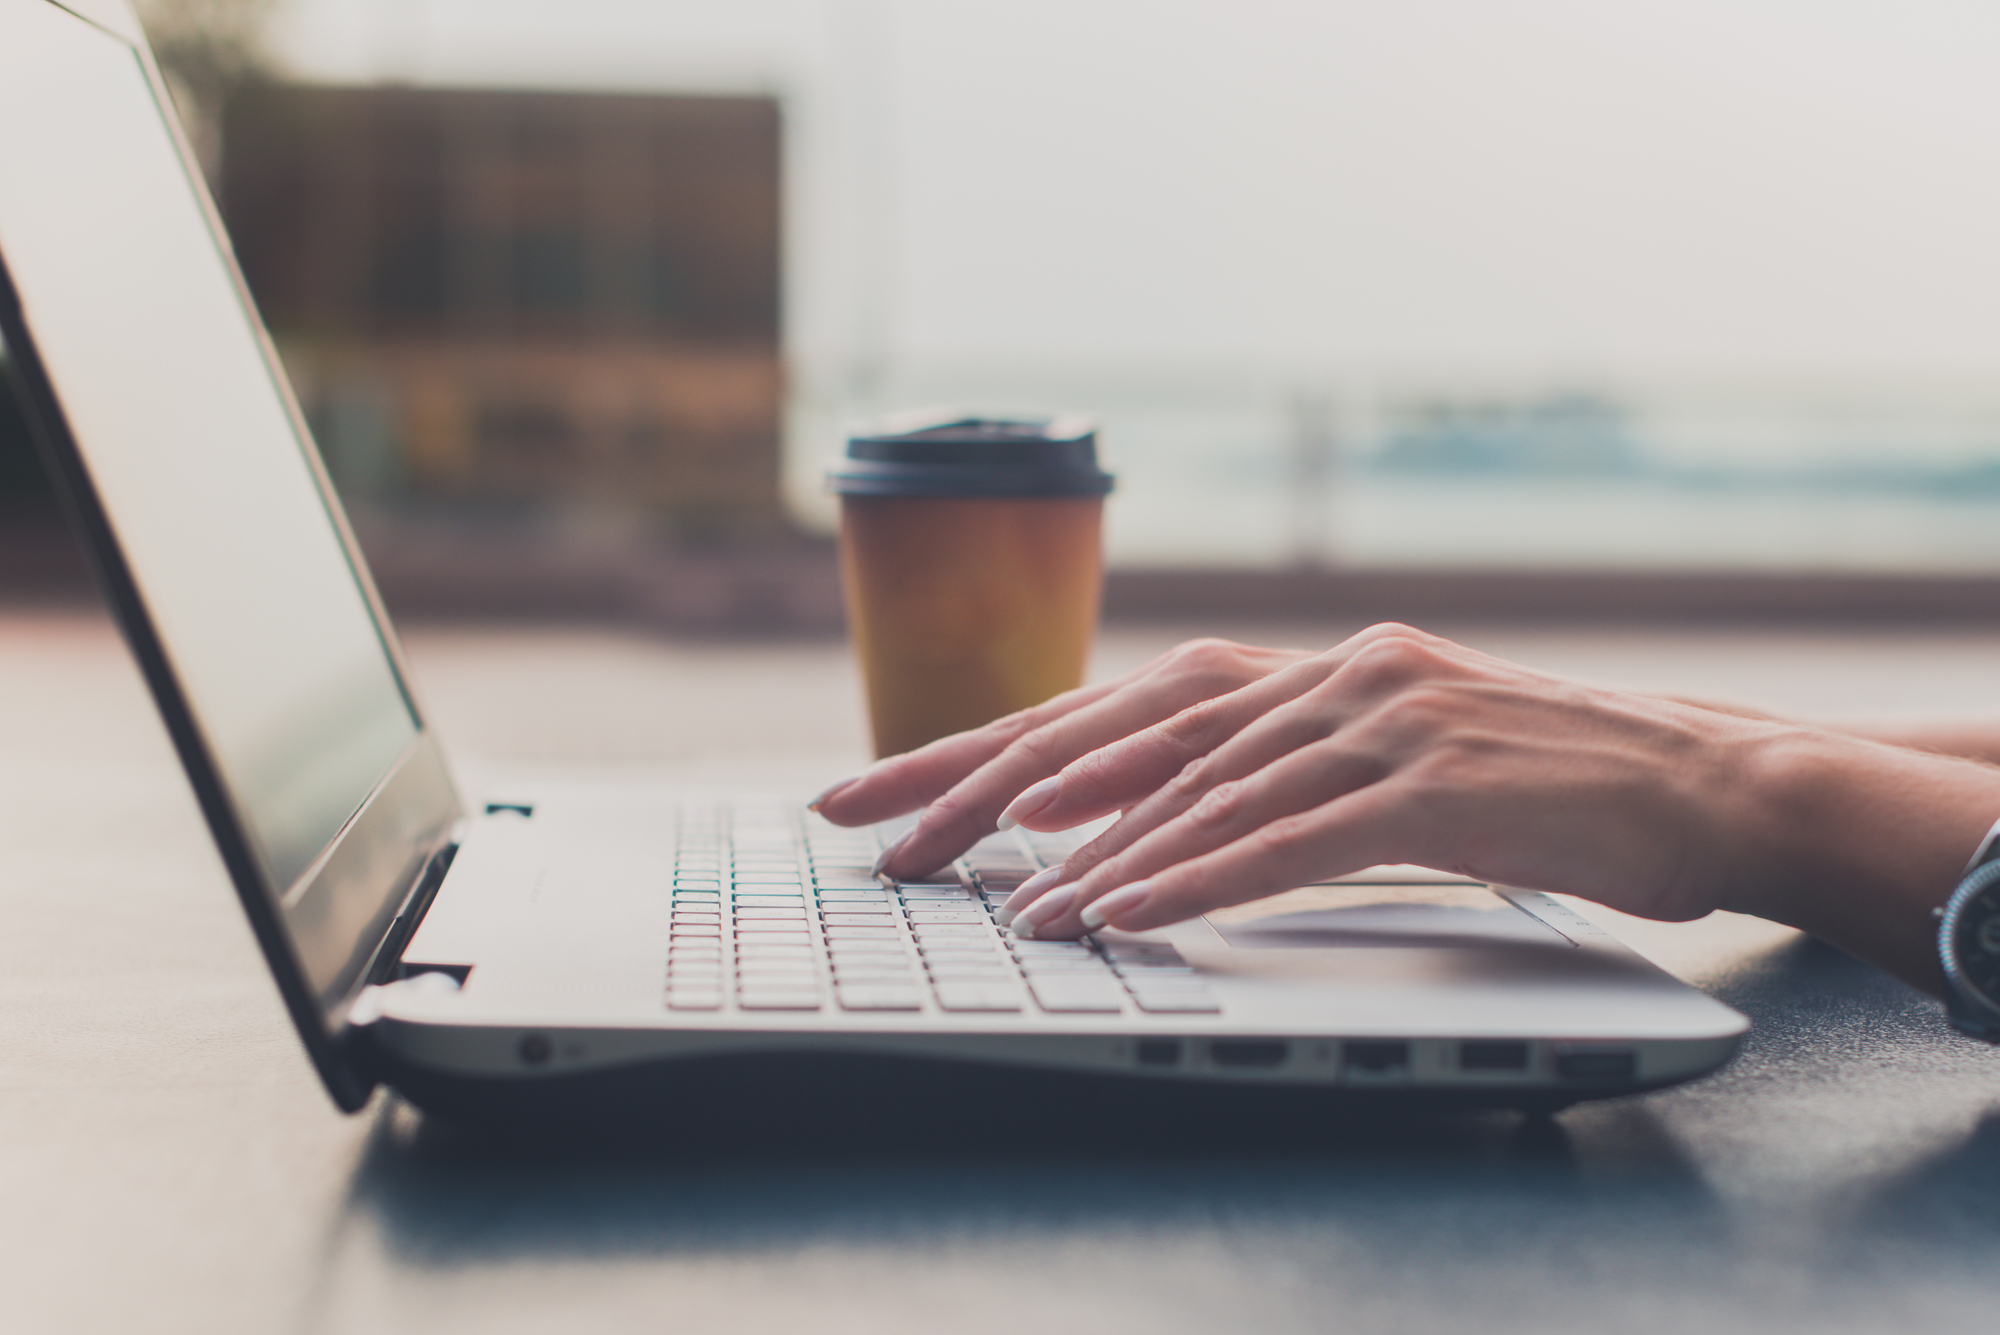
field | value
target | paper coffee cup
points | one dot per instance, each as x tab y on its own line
972	564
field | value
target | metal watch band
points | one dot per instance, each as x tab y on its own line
1969	1006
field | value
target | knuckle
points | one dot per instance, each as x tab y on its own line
1208	651
1087	859
1218	807
1432	710
1085	775
1186	787
951	811
1037	748
1393	630
1284	838
1211	665
1390	662
1010	728
1190	730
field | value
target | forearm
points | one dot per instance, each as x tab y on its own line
1977	739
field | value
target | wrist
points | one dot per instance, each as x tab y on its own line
1859	843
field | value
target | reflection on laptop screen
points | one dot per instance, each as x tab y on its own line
162	378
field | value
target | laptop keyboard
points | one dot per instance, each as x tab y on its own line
775	910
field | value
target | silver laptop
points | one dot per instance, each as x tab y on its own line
615	946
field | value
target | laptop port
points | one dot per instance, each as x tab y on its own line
1597	1063
1158	1052
1248	1052
1376	1057
1491	1055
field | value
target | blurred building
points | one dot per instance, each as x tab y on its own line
509	299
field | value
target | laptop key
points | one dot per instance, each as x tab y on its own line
881	920
1179	1001
978	996
779	1001
870	997
1067	997
773	966
872	973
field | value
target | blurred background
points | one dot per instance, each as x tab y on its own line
1544	307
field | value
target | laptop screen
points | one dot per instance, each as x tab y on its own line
162	379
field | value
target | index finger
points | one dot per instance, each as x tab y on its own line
903	783
968	812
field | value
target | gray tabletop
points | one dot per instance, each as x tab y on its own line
168	1163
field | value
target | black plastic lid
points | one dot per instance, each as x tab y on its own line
973	456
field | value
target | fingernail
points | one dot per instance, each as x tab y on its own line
1122	900
1026	893
895	846
831	790
1043	911
1035	799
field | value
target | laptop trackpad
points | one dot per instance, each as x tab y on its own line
1361	916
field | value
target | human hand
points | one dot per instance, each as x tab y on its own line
1398	746
967	778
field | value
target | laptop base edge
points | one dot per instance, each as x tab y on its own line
736	1095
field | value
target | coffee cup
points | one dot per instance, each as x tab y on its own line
972	565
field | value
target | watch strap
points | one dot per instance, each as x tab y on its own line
1968	1011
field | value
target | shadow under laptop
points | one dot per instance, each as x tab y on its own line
448	1195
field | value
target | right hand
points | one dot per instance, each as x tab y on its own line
968	779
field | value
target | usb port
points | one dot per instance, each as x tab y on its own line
1158	1052
1376	1056
1492	1055
1597	1064
1248	1052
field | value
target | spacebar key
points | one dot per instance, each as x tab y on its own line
1075	996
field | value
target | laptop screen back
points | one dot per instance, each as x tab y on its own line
161	377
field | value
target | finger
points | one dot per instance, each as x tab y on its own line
970	811
1229	811
1362	829
1367	667
905	782
1308	720
1026	893
1118	776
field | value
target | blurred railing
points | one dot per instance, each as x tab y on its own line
1235	470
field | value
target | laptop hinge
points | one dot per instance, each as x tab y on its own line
387	966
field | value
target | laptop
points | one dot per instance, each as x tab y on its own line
571	946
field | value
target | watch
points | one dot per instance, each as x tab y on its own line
1969	948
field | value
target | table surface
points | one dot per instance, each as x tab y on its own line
168	1162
